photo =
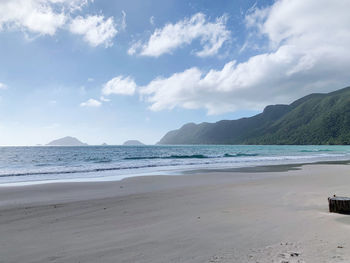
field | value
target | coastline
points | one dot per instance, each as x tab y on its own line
88	164
212	216
174	171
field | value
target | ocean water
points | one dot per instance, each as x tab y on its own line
23	165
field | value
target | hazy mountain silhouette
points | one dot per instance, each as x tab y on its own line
67	141
133	143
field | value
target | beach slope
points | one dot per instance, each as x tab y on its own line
279	216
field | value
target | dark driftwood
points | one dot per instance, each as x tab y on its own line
338	204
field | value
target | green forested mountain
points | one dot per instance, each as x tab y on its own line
313	119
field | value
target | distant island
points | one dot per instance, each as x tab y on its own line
66	141
315	119
133	143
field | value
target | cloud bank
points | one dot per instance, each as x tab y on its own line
212	36
308	52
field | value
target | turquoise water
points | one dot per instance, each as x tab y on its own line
48	164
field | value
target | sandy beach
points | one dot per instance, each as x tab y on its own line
279	215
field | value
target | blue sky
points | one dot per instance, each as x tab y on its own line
109	71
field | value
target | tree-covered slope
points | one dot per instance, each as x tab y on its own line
313	119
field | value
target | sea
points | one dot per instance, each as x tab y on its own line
45	164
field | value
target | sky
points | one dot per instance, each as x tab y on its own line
109	71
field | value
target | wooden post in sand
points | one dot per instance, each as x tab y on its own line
338	204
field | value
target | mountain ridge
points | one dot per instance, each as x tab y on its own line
318	118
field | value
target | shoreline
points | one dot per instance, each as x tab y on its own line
206	217
177	172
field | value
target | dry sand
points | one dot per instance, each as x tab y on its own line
209	217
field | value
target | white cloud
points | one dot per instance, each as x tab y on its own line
36	16
45	17
212	35
123	21
91	103
120	85
308	52
134	48
104	99
3	86
90	79
151	20
96	29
